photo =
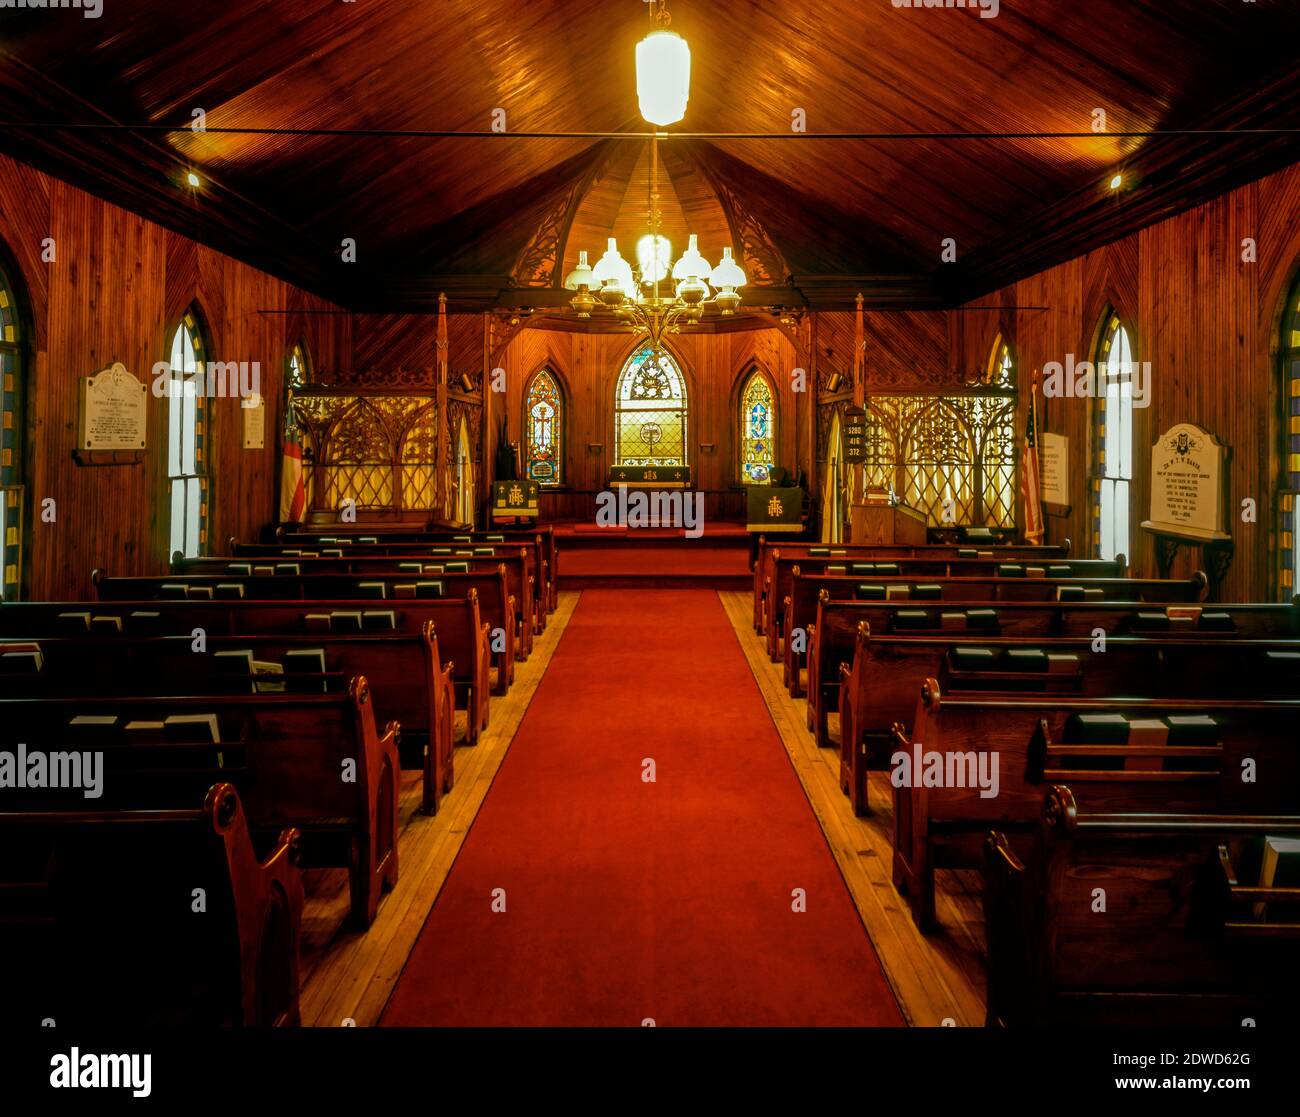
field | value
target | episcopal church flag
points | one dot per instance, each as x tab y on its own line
293	493
1029	483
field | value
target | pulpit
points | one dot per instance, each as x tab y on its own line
881	522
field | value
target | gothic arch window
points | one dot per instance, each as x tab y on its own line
757	430
1113	440
1289	553
650	411
299	371
1002	369
187	449
11	448
464	476
544	429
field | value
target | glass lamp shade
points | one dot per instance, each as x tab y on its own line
653	255
728	273
663	76
581	276
692	265
612	270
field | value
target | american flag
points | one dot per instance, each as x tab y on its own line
1029	483
293	492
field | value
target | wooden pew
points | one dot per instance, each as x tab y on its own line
832	639
497	607
940	827
350	556
410	684
98	925
358	534
462	637
327	576
798	596
314	762
888	671
770	551
800	605
1179	943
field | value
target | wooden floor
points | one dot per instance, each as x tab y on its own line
347	977
938	978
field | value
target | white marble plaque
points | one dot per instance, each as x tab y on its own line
254	409
1187	477
1054	466
114	408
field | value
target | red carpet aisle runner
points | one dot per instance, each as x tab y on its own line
624	899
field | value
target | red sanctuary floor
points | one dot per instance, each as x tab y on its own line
586	895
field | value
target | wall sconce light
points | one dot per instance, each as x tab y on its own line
833	384
595	447
466	383
708	447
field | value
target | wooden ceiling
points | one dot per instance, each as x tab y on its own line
431	213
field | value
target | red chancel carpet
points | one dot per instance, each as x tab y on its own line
628	900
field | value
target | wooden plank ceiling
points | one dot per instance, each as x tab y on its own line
478	216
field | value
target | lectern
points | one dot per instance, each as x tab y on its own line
881	522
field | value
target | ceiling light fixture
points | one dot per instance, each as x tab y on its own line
663	70
1117	181
192	178
634	298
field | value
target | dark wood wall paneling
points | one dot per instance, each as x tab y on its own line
114	292
1209	324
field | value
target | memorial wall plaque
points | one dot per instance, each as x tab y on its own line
1054	465
254	409
1187	478
113	410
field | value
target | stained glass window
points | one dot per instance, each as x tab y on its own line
186	454
650	411
543	429
1113	441
1002	373
299	368
1288	551
11	452
757	431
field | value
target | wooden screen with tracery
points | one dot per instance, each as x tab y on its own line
377	450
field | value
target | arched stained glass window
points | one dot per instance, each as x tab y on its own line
650	411
299	368
1113	436
1002	372
11	450
757	431
544	429
187	469
1289	553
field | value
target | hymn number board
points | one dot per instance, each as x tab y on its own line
854	435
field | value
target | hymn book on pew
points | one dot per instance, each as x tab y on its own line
1280	869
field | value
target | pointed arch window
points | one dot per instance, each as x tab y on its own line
650	411
1289	553
1002	370
757	430
544	429
187	468
11	448
1113	440
299	368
